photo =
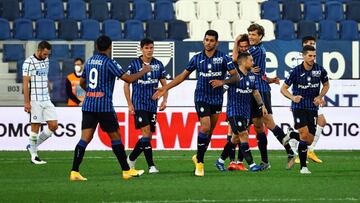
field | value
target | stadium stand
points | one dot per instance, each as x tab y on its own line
269	29
60	51
349	30
54	9
328	30
90	29
164	10
19	76
155	29
76	10
32	9
306	28
313	11
270	10
334	11
10	9
228	10
133	30
77	51
197	29
142	10
177	30
68	29
120	10
223	28
285	30
185	10
99	10
240	27
112	28
45	29
5	32
291	10
352	10
23	29
13	52
206	10
252	14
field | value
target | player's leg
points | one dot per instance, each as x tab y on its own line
148	152
321	122
245	150
228	151
232	151
49	114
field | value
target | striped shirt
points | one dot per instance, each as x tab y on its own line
100	73
145	87
240	94
209	68
38	71
258	53
307	84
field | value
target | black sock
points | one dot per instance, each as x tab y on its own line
146	145
227	150
247	153
208	142
262	144
295	135
136	151
232	151
119	151
79	155
203	141
289	152
303	147
279	133
240	154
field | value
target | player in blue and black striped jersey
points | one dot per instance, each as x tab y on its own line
242	89
98	81
306	80
258	52
209	64
141	104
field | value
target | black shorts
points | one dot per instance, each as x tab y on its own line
255	111
108	121
303	117
144	118
204	109
238	124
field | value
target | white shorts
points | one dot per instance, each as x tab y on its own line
42	111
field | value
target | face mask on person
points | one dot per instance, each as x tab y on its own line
78	70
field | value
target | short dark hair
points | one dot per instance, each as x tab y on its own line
103	43
79	59
308	48
308	38
243	55
212	33
44	45
260	29
146	41
244	38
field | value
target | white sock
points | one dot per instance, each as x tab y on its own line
44	135
221	161
253	164
33	140
318	132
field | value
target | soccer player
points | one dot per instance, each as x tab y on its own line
256	33
321	121
210	64
141	104
37	100
241	89
98	81
306	96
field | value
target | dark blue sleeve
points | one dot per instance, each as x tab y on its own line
192	64
290	80
324	77
254	51
163	72
229	63
115	68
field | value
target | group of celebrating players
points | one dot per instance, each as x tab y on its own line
248	92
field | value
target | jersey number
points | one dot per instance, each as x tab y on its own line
93	78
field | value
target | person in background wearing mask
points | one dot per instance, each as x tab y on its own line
74	92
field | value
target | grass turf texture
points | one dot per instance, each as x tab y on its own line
335	180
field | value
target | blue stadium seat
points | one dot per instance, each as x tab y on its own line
67	67
313	11
349	30
11	9
1	7
328	30
90	29
54	69
177	30
76	9
32	9
292	11
306	28
133	30
164	10
19	73
120	10
99	10
353	11
285	30
112	28
13	52
334	11
68	29
78	51
5	32
23	29
60	51
45	29
142	10
54	9
155	29
270	10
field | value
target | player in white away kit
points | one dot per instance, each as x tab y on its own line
321	121
37	99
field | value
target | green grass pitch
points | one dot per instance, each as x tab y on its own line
337	179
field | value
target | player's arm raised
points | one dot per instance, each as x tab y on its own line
128	99
259	101
177	80
131	78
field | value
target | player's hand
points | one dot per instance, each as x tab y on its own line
255	69
159	93
216	83
27	107
81	103
318	101
162	106
131	109
275	80
264	110
238	38
297	98
146	68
